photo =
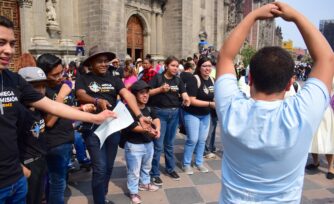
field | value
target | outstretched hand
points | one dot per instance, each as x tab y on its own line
285	11
267	11
101	117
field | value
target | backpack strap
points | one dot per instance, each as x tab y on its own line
198	80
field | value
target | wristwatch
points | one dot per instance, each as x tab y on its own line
139	116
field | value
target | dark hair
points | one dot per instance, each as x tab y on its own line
201	61
148	56
150	60
72	64
47	62
189	59
182	61
169	60
5	22
271	68
187	66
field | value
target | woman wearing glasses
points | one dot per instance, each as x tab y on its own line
197	115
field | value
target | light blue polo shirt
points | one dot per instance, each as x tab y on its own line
266	143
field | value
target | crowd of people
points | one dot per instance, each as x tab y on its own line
47	106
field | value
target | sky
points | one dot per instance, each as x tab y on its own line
314	10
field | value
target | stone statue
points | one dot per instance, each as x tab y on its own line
51	15
52	25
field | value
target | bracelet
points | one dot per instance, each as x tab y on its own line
96	101
209	104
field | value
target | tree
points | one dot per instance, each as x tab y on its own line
247	53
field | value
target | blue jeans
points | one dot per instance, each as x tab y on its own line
57	159
138	161
210	141
197	128
102	162
169	119
80	147
14	193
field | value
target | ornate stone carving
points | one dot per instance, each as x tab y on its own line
25	3
52	25
51	15
235	14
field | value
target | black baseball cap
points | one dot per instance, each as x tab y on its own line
138	86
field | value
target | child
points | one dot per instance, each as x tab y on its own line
139	145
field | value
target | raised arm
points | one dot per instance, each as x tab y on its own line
233	43
319	49
65	111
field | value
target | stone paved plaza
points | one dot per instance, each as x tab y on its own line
197	188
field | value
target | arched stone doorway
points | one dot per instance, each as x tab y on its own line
135	37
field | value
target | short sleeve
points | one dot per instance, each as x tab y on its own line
119	85
69	83
153	113
226	88
79	83
181	86
192	87
154	82
311	101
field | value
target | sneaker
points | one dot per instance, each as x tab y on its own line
188	170
210	156
135	198
157	181
330	175
202	169
174	175
85	161
106	201
312	166
148	187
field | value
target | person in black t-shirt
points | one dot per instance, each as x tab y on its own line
139	146
197	115
102	88
165	98
15	91
187	74
32	138
59	135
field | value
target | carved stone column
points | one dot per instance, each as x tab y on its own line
159	35
38	22
66	23
153	34
26	14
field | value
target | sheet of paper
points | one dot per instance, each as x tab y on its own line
111	125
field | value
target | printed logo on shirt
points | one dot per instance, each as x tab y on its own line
94	87
211	89
174	88
107	88
7	98
37	128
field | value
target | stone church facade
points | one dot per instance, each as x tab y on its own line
126	27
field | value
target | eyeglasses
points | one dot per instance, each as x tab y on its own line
206	65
